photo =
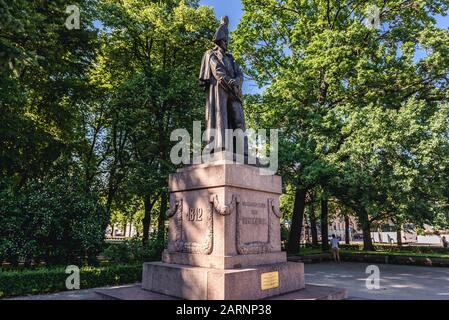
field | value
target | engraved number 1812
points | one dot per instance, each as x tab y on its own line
195	214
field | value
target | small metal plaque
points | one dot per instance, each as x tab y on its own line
269	280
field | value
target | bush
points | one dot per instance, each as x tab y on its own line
55	220
135	251
46	280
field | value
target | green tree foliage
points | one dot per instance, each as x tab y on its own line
52	220
43	78
325	71
148	66
98	104
46	213
86	115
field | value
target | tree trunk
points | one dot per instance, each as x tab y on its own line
297	219
347	234
313	230
146	221
109	200
324	226
124	229
399	235
366	230
367	241
161	218
305	227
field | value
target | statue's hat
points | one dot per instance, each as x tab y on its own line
222	32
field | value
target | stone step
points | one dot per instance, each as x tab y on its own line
132	292
135	292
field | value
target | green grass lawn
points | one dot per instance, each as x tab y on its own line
307	252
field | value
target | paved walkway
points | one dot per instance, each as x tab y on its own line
84	294
397	282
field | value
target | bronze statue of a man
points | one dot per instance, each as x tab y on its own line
222	79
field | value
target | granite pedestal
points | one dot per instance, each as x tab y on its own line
224	236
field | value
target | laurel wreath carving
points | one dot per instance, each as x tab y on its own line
273	208
224	210
171	211
180	243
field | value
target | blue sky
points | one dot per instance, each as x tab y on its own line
230	8
233	9
443	22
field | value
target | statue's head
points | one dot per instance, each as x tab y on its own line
221	36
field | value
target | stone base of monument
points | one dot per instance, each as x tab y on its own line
135	292
224	235
198	283
224	262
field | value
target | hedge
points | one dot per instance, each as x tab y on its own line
393	248
47	280
395	258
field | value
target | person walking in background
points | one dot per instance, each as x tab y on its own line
335	249
445	242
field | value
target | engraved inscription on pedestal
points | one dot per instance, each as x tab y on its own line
255	223
193	225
